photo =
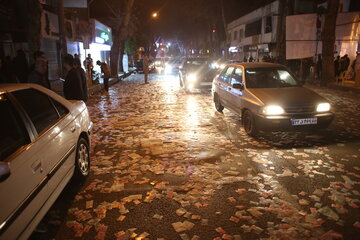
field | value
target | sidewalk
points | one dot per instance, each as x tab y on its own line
57	85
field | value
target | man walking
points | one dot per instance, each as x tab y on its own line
106	74
72	86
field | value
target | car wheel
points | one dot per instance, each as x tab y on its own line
82	161
249	123
217	103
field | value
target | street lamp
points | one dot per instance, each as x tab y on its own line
154	15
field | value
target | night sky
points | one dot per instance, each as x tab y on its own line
186	17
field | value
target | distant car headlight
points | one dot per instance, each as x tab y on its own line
273	110
191	78
323	107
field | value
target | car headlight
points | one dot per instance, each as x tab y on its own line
323	107
273	110
191	78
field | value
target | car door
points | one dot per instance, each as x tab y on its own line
23	191
236	93
57	135
226	86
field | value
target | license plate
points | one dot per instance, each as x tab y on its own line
304	121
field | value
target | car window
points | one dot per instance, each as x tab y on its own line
38	107
60	108
269	78
237	76
229	71
13	134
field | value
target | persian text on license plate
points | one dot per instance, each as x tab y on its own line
303	121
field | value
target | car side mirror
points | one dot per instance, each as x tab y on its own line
4	171
238	86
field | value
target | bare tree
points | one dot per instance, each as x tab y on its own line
328	41
119	17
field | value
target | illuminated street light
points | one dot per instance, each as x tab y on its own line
155	15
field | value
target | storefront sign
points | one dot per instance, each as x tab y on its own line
102	33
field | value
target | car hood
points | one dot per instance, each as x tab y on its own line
287	96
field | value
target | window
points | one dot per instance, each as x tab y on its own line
235	35
60	108
241	33
226	75
269	78
268	24
253	28
13	134
237	77
38	107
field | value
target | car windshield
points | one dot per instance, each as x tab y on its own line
269	78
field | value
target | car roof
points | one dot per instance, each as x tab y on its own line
258	65
11	87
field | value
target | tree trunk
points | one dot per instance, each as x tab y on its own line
119	35
280	33
225	29
328	41
34	26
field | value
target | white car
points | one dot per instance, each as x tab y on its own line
44	142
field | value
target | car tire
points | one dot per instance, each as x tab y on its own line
217	103
249	123
82	159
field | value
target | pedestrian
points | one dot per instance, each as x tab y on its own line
357	70
106	74
345	62
88	64
20	66
7	71
251	59
77	64
337	66
146	68
319	66
72	85
38	74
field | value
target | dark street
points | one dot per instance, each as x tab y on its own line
166	165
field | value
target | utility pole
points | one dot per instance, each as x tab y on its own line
62	37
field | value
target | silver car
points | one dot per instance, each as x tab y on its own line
44	141
269	98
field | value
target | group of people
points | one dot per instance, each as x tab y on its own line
18	70
75	87
341	66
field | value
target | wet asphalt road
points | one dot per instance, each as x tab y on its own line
166	165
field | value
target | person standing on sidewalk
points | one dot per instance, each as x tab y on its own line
39	73
72	86
357	70
146	68
82	73
106	74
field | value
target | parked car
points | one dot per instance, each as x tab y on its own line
196	73
269	98
44	142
